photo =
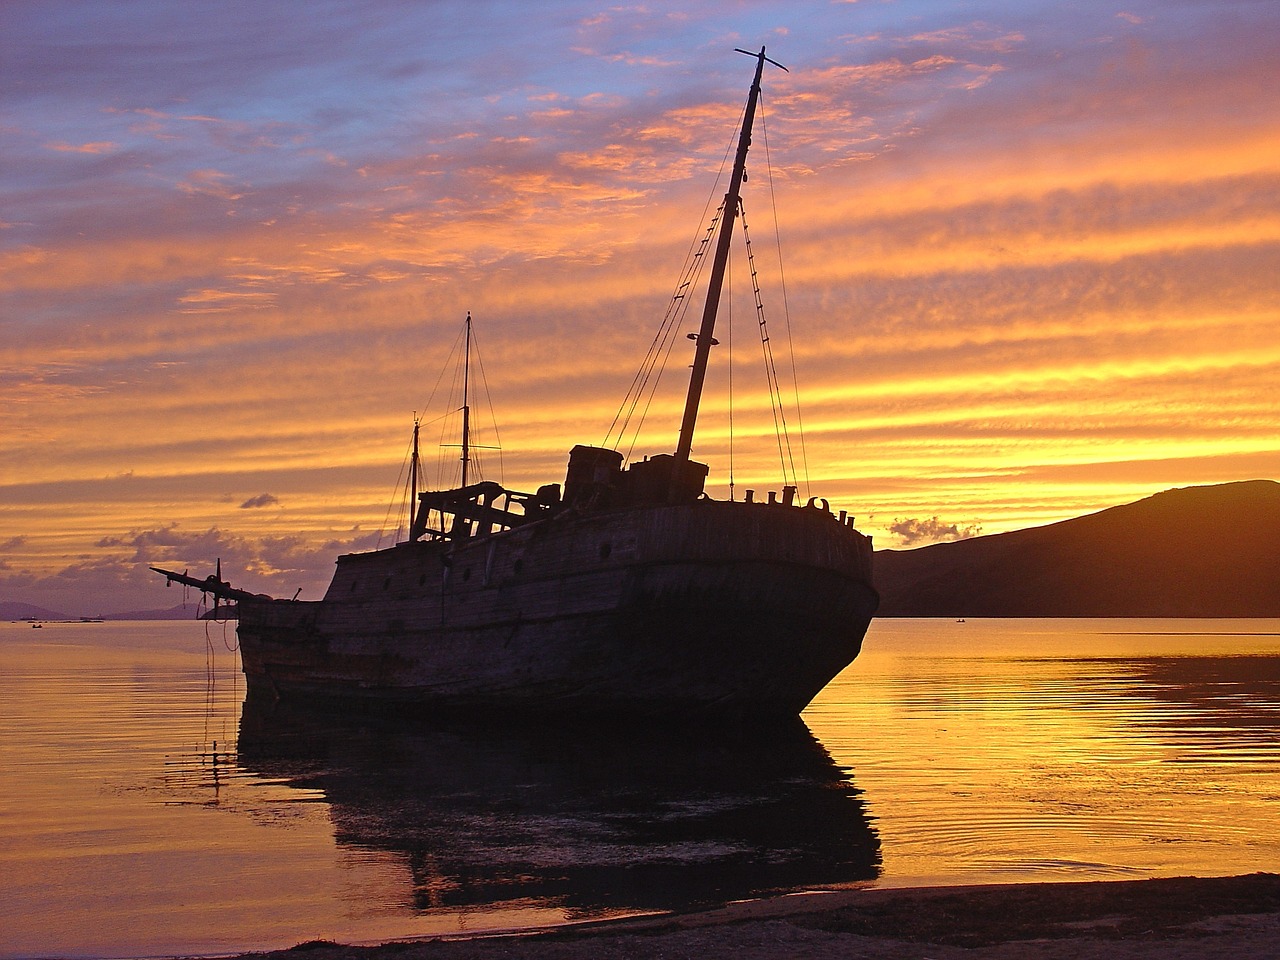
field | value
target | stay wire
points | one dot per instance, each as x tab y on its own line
729	339
488	396
397	504
649	376
770	368
786	305
644	384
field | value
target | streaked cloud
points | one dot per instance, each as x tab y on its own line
1031	258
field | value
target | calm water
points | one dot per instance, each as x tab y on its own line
144	811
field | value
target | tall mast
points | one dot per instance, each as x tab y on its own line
413	478
413	463
732	201
466	407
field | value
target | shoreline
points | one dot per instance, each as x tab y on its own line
1177	917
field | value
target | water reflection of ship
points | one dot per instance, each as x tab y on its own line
589	819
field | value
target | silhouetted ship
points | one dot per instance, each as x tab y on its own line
629	591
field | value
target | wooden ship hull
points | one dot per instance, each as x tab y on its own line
701	608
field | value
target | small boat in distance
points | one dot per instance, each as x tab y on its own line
626	591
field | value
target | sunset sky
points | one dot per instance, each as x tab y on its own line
1031	256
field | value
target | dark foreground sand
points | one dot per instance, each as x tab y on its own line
1178	918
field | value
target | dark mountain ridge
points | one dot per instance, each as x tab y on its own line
1210	551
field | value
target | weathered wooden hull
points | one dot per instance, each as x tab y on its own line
701	608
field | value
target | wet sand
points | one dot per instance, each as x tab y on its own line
1175	918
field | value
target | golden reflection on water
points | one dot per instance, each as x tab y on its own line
192	826
1010	750
114	833
143	815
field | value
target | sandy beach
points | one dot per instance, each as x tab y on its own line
1173	918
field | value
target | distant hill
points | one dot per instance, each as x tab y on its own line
1210	551
13	610
179	612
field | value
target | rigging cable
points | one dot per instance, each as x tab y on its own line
644	384
397	503
446	465
408	505
729	339
670	342
448	470
210	680
211	703
649	375
493	417
770	368
444	418
786	306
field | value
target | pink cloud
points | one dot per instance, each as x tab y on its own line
98	147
